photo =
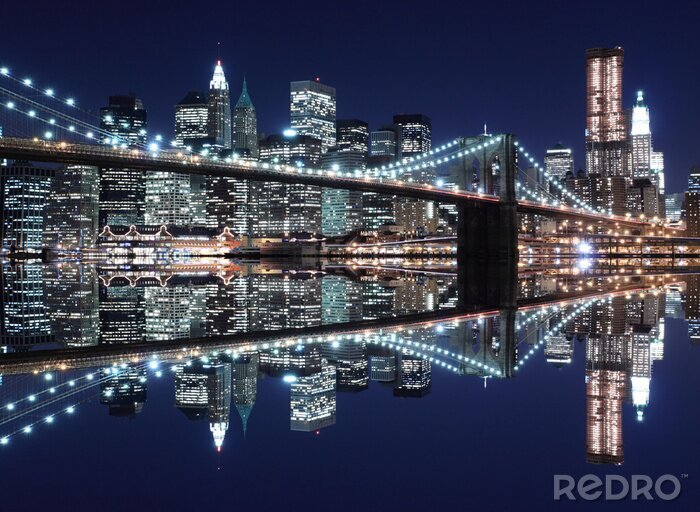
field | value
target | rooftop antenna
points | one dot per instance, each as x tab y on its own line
218	52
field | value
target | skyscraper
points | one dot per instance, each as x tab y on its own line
122	191
219	109
167	199
558	162
123	390
352	135
313	401
24	193
640	134
341	210
415	132
313	110
191	120
386	142
245	385
692	203
72	214
606	137
414	376
245	125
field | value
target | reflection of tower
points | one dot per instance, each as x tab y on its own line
559	350
383	368
692	308
414	378
23	314
219	394
191	390
72	298
351	362
313	403
299	360
167	313
122	314
123	389
640	375
341	300
606	381
245	385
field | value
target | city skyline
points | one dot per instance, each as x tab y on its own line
467	116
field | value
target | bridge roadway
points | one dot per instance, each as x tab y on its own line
37	361
170	161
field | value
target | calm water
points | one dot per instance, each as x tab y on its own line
238	386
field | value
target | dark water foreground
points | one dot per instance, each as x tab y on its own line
240	387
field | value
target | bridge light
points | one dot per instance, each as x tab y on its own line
27	82
49	419
49	92
10	105
70	410
70	101
52	121
27	429
4	71
48	135
153	146
31	113
71	128
159	138
89	135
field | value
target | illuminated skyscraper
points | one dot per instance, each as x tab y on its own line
558	162
24	193
167	200
167	313
313	401
415	133
692	203
383	368
219	403
414	377
641	139
72	214
606	137
122	314
191	120
351	362
245	385
313	111
219	109
341	210
122	191
352	135
386	142
245	125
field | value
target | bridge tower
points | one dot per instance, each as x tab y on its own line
487	250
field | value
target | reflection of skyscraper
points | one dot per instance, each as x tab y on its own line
299	360
191	390
414	377
167	313
352	364
219	394
341	300
559	350
123	390
245	385
122	314
383	368
606	386
313	402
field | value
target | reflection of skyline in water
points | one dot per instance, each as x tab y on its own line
623	336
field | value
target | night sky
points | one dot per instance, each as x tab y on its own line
518	66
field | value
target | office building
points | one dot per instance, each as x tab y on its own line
313	111
24	316
219	110
640	135
692	203
675	206
341	210
558	162
122	313
24	194
606	128
341	300
414	377
167	199
386	142
245	385
191	120
72	213
415	133
383	368
122	191
313	400
245	125
352	135
643	197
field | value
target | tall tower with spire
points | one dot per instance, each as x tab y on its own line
641	139
219	109
245	125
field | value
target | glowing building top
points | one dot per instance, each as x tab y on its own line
218	81
640	117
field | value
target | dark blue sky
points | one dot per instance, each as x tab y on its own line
519	66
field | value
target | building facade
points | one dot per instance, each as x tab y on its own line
313	111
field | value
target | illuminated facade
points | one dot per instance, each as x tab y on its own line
245	385
313	111
558	162
167	200
72	214
219	109
313	400
415	133
385	142
352	135
24	193
122	191
641	139
191	119
414	377
606	129
245	125
341	210
123	390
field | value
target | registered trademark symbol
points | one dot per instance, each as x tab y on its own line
684	475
